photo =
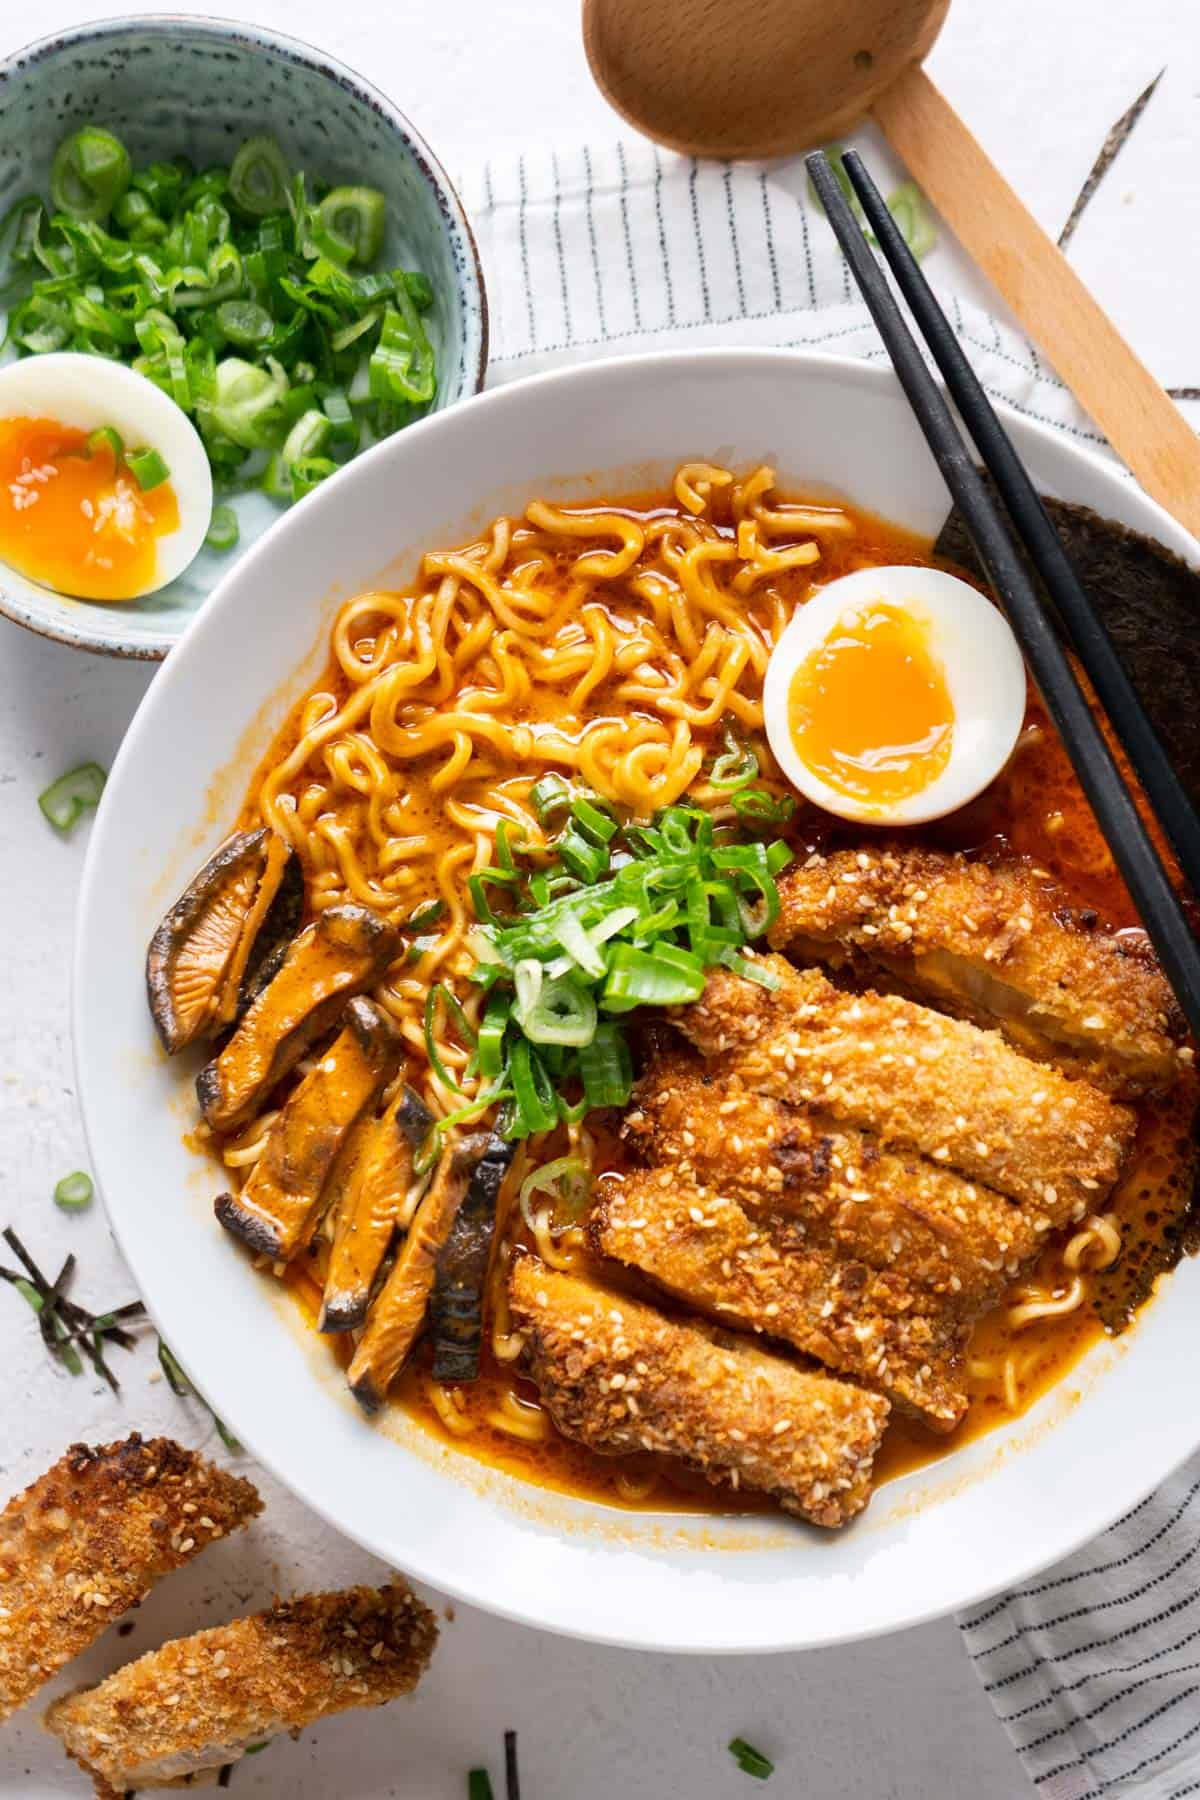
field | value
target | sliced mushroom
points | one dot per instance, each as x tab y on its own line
281	1204
342	952
374	1194
456	1308
246	899
394	1322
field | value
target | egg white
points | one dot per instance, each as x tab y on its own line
86	392
983	669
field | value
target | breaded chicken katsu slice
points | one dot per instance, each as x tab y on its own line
916	1080
841	1189
759	1274
997	945
619	1377
199	1702
91	1538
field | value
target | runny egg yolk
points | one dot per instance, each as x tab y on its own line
869	710
74	520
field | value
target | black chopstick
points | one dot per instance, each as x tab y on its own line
1099	777
1088	633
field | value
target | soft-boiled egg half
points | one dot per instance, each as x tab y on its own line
895	695
105	489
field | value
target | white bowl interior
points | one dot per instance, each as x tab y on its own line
938	1539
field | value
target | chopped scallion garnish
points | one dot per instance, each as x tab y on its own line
751	1761
74	1192
66	800
223	530
249	304
147	468
627	916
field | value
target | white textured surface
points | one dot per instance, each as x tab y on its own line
901	1717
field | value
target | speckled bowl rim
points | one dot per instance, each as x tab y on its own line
304	55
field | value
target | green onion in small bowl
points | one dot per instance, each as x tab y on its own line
131	183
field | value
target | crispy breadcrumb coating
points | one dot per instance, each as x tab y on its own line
199	1702
918	1081
844	1191
90	1539
997	944
620	1377
760	1275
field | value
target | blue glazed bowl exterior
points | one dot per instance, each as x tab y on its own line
169	84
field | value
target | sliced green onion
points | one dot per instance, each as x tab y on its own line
90	172
223	531
307	436
276	479
428	913
551	1011
66	800
585	860
568	1183
440	992
259	178
105	437
401	364
534	1107
358	217
910	210
736	765
148	469
751	1761
309	472
666	976
420	289
606	1067
550	796
600	827
756	807
74	1192
246	402
489	1047
245	323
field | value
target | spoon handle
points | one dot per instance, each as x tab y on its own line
1031	273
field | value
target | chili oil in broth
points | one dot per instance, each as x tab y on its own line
1035	809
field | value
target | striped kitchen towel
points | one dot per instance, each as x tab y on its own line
610	249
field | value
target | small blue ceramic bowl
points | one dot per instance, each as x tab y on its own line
168	84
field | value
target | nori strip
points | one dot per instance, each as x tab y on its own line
1149	599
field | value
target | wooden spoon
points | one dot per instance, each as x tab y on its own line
761	78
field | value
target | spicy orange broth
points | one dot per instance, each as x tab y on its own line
1034	809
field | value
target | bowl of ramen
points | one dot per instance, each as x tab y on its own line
626	1194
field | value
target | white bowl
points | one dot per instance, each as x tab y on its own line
997	1509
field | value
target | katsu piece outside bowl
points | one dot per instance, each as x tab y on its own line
935	1539
168	85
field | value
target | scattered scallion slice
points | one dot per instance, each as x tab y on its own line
259	178
568	1186
358	216
66	800
106	437
74	1192
223	531
751	1761
147	468
90	172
